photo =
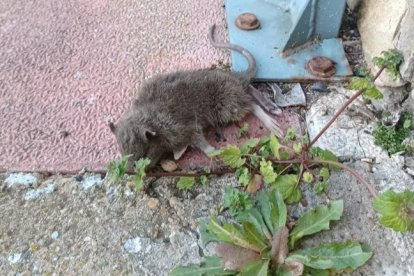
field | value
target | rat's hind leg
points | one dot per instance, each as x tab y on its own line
270	123
201	143
264	101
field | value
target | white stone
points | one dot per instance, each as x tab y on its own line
128	192
90	181
25	179
133	245
55	235
15	258
347	137
35	194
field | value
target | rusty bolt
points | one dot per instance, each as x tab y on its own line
247	21
321	67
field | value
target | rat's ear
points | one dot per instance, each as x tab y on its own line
149	134
111	127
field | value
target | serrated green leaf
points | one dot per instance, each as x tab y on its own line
307	177
242	131
324	173
211	266
338	256
297	147
264	140
140	167
294	197
290	134
248	145
117	168
255	160
206	235
286	184
393	209
391	59
254	235
372	92
274	146
316	220
256	268
231	156
320	187
407	123
237	201
285	155
243	175
267	171
186	182
203	179
231	234
324	154
359	83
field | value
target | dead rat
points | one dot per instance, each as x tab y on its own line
172	110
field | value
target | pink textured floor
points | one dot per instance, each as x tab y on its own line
66	67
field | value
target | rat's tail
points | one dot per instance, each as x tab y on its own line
252	69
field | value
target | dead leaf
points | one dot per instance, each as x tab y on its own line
280	249
234	257
255	184
295	268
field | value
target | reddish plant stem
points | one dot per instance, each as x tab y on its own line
148	174
286	168
291	161
301	171
162	174
370	188
344	106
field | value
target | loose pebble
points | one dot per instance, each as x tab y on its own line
168	165
25	179
55	235
133	245
35	194
91	181
319	87
15	258
153	203
128	192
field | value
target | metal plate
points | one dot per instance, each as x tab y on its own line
266	42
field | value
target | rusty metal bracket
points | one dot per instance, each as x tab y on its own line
290	36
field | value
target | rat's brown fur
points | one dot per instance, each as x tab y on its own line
172	110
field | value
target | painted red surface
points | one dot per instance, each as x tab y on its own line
194	158
67	67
